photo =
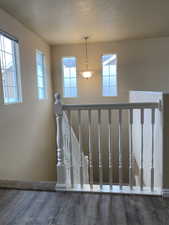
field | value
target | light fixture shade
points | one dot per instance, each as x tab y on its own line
87	74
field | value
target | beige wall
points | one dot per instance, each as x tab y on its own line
27	144
142	65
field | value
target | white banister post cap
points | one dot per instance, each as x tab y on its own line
57	98
58	104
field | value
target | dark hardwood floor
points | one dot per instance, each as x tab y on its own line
19	207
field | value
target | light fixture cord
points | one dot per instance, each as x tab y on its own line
86	38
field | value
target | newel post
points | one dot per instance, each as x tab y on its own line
60	166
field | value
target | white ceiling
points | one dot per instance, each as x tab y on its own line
67	21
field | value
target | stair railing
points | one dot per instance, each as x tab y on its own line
109	187
70	156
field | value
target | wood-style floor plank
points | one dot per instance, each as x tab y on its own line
19	207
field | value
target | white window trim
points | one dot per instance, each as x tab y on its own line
45	76
117	79
1	89
63	94
18	72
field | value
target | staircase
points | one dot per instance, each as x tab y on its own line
77	167
71	147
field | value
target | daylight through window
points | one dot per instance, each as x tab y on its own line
41	74
10	71
109	75
69	77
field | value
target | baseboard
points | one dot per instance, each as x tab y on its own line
28	185
165	193
60	187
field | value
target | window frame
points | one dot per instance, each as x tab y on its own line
17	64
117	80
44	75
63	92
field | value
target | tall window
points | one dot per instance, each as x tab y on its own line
69	77
41	75
109	75
9	69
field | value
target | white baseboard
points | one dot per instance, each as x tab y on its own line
106	189
60	186
165	193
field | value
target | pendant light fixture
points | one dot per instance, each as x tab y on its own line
86	73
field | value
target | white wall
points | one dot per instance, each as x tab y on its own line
27	143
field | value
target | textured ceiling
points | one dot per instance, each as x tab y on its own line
67	21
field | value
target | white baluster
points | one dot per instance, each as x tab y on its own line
90	152
120	151
99	150
80	149
110	151
142	149
131	151
70	149
61	171
152	159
